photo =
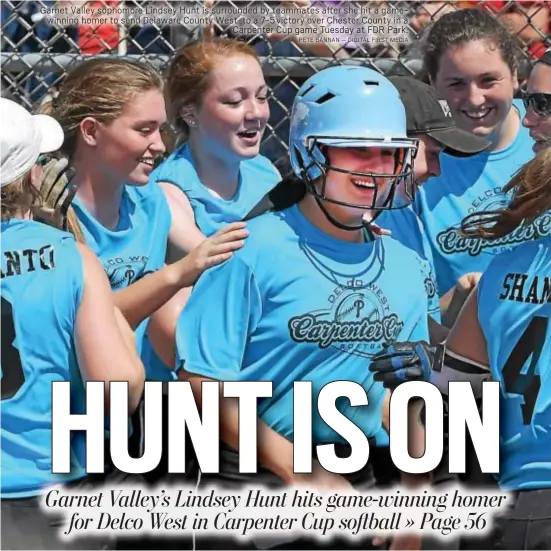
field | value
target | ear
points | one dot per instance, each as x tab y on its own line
186	112
36	176
516	85
89	130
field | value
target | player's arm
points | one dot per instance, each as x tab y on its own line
466	353
211	337
274	451
161	328
452	302
104	352
141	299
184	235
211	343
438	333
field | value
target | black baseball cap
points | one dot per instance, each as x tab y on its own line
427	114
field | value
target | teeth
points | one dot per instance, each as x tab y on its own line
147	162
477	114
364	184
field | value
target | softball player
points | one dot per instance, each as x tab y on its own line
218	100
504	332
112	137
471	61
338	294
430	120
112	111
58	324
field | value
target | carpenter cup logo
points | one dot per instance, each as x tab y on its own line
122	272
358	320
451	241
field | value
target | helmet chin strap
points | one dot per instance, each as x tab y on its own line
333	220
320	202
336	223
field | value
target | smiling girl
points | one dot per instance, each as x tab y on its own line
537	101
471	61
112	112
337	294
218	102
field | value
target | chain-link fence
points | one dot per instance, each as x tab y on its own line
42	40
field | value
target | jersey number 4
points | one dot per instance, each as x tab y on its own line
12	369
526	384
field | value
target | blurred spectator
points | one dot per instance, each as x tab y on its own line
282	94
149	39
26	30
528	21
97	39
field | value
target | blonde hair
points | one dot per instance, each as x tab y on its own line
18	197
98	88
531	187
188	75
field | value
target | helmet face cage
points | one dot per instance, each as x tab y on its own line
401	184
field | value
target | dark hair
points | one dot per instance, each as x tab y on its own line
531	187
460	27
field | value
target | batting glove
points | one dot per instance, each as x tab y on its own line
406	361
57	192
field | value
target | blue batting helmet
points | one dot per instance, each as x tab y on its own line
350	106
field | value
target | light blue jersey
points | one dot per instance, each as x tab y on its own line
257	176
135	248
465	186
514	310
296	304
42	286
408	229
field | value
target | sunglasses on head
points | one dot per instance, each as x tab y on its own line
43	160
539	102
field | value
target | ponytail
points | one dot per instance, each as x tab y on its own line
531	187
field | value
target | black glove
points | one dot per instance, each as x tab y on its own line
406	361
